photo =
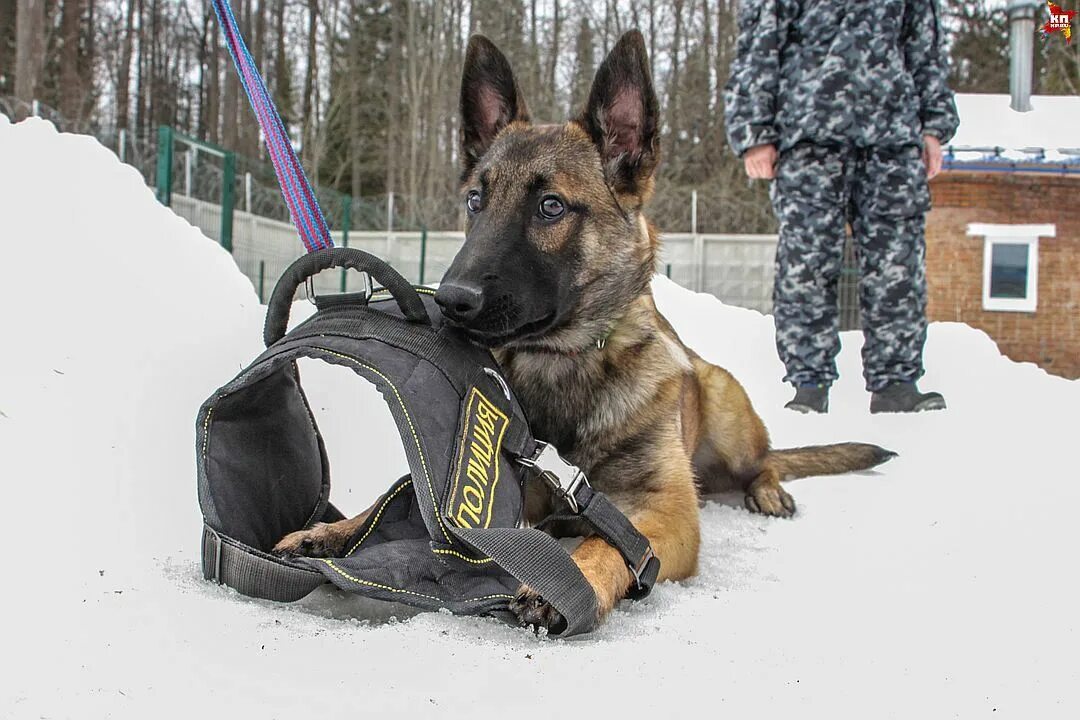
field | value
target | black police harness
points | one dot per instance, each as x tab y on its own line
449	534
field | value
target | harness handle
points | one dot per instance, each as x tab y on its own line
307	266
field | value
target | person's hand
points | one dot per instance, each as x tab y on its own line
931	155
760	162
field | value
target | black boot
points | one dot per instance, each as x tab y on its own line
904	397
810	399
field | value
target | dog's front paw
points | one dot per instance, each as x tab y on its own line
531	609
318	541
769	499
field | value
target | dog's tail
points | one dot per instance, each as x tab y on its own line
827	459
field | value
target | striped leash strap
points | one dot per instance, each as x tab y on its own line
295	188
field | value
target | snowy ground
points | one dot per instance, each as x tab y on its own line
944	585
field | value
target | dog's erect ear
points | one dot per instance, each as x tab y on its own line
623	116
490	99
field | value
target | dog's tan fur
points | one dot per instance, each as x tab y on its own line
650	422
323	539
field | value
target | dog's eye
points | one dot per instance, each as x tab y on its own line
473	201
551	207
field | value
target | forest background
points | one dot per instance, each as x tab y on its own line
369	88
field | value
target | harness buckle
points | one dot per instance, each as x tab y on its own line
309	288
216	548
369	287
564	478
647	569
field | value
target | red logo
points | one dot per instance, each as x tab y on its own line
1059	20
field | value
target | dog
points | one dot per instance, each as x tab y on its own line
554	277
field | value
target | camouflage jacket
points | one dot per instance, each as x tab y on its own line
838	72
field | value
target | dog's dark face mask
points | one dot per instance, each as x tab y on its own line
555	247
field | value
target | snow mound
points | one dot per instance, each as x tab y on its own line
939	586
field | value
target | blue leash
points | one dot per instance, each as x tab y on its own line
295	188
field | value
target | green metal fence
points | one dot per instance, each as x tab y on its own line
168	140
237	202
245	213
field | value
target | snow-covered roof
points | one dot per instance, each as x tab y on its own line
1050	132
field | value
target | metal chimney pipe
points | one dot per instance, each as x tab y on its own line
1021	49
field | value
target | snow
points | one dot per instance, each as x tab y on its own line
987	121
943	585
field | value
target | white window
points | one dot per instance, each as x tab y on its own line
1011	265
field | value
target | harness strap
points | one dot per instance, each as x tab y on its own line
569	483
252	573
539	561
518	442
295	188
617	530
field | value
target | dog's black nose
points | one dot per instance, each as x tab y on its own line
460	303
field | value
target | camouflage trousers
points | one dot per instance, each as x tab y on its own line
883	194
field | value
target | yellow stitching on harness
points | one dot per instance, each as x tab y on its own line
206	431
360	581
461	448
498	456
412	429
375	522
456	554
422	290
341	572
491	597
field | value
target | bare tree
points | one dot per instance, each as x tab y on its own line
71	90
307	113
213	83
553	51
230	100
370	87
584	66
7	46
29	48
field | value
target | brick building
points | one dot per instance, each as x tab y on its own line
965	202
1003	238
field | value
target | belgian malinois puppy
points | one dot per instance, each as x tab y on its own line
555	277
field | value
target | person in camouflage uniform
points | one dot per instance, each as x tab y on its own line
844	105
